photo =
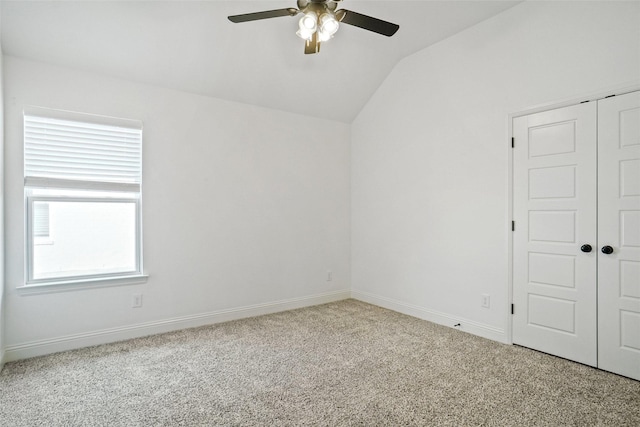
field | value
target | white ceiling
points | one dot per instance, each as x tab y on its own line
191	46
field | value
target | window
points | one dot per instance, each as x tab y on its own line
82	189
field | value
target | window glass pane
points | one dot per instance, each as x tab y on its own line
86	238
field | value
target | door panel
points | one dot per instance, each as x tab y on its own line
556	314
630	279
619	227
552	270
552	183
554	283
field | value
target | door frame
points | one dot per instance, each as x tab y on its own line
590	97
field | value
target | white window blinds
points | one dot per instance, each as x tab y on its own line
88	152
41	219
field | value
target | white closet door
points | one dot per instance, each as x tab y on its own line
619	228
554	282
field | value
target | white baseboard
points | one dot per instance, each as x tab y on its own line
466	325
2	359
70	342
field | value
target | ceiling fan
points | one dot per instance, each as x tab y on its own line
320	21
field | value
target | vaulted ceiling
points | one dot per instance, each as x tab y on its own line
192	46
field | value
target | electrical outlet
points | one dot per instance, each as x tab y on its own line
137	301
486	300
329	276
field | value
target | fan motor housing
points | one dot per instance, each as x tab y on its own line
317	5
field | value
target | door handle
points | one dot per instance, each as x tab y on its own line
586	248
607	250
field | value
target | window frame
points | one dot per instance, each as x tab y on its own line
123	192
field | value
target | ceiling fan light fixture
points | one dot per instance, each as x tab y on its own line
309	22
328	23
328	27
308	25
323	37
304	34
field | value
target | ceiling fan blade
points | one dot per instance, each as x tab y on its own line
263	15
367	22
313	45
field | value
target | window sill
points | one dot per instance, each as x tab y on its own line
73	285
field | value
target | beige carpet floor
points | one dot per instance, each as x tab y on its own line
340	364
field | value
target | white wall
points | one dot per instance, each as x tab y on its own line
2	310
245	209
430	159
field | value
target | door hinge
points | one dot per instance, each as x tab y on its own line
513	226
511	308
513	142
